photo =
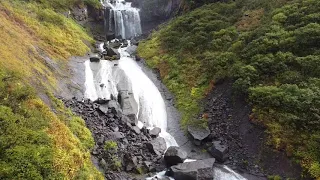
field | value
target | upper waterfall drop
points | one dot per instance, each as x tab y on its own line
121	19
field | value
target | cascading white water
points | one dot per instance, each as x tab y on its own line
101	82
152	109
125	17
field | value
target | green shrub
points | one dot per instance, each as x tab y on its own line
111	146
275	63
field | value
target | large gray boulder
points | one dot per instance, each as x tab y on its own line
158	146
111	52
129	106
155	132
115	136
197	170
132	49
198	134
219	151
115	108
175	155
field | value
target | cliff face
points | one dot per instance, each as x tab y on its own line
155	12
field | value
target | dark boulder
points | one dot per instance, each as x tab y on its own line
138	58
175	155
115	107
134	42
114	45
104	109
131	162
101	101
219	151
196	170
125	43
110	36
155	132
112	52
198	134
158	145
136	129
94	59
130	120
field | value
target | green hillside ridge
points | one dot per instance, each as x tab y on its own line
35	142
270	49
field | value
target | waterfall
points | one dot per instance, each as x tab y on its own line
104	78
122	18
152	109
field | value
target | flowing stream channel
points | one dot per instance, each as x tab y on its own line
104	79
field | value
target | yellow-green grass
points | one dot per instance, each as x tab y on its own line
37	143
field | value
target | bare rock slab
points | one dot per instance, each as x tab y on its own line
198	134
197	170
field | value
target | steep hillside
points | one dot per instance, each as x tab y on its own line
38	140
270	50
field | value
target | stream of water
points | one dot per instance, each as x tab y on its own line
104	78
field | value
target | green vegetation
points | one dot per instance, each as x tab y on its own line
274	177
111	148
271	51
64	5
35	142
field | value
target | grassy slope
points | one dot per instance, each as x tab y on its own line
270	49
36	143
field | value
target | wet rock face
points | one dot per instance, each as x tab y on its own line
154	12
156	9
120	146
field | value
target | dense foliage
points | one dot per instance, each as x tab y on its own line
270	49
63	5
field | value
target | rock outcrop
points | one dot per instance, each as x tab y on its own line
154	12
